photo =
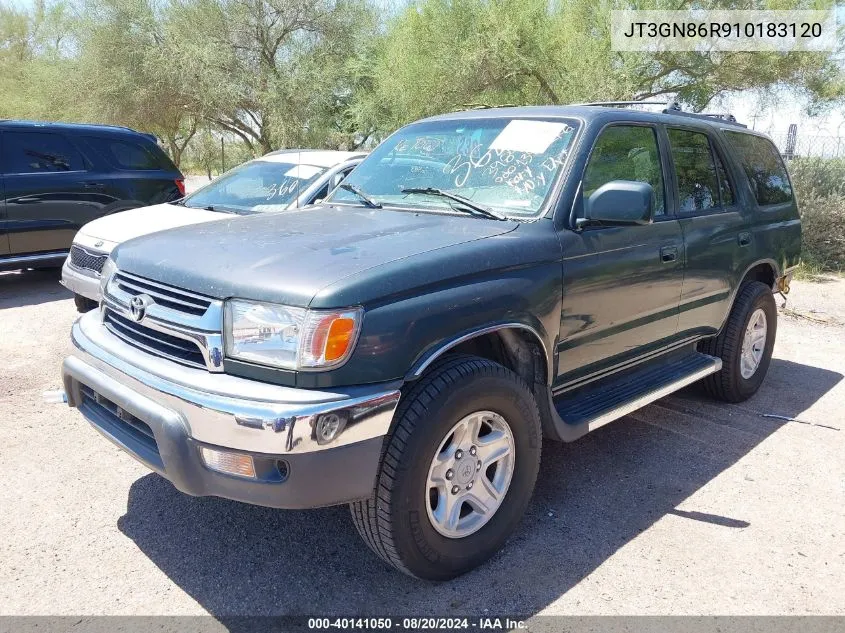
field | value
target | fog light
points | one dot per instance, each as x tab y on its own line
230	463
329	426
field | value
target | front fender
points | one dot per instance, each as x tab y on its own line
400	337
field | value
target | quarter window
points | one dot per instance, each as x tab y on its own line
763	166
626	152
125	155
39	153
698	183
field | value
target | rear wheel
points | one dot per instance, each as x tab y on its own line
84	304
457	472
745	345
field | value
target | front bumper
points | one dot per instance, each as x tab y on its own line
80	282
163	413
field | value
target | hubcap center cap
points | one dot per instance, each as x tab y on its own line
464	469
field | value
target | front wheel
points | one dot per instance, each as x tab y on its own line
457	472
745	345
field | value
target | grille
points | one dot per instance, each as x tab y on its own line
166	296
119	419
153	341
86	260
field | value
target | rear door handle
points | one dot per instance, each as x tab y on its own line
744	239
668	254
93	185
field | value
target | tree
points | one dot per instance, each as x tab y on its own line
439	55
267	71
126	76
34	61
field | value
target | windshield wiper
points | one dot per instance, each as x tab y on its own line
469	204
368	202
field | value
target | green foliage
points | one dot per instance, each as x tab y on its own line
34	61
439	55
819	184
269	74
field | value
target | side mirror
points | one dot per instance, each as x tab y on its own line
622	202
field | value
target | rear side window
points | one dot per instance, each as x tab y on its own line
39	153
130	155
702	182
763	166
626	152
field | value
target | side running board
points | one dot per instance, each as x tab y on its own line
587	408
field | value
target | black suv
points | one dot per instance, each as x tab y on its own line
55	177
480	280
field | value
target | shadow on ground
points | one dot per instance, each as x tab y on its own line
31	287
592	497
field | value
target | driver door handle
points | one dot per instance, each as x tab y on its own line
668	254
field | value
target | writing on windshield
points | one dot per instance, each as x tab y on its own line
507	164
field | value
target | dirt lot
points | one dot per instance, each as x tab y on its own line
685	507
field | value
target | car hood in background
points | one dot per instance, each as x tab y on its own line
288	257
119	227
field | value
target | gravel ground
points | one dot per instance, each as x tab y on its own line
685	507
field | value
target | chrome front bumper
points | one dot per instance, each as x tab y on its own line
79	282
116	385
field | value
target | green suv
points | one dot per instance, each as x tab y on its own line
483	279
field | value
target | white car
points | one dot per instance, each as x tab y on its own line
278	181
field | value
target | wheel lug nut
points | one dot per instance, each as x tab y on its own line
449	474
458	454
455	490
472	450
469	486
478	465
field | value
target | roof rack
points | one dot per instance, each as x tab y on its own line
710	116
670	107
486	106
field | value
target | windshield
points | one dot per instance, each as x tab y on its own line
268	184
506	165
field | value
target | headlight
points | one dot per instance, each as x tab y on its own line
109	269
291	338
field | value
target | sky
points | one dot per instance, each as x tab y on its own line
775	119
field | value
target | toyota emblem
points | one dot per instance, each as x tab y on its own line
138	306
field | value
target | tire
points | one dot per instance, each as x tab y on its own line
395	522
729	384
84	304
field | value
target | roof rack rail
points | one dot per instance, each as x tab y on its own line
730	119
670	107
486	106
673	105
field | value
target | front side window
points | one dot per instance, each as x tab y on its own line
698	182
626	152
39	153
269	184
763	166
507	165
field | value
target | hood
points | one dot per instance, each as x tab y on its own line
288	257
125	225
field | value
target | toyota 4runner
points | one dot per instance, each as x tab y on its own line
482	280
